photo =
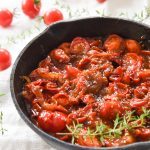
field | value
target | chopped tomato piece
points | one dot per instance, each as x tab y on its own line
114	44
133	46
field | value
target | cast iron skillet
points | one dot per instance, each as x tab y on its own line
54	35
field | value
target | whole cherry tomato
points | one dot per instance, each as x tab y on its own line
52	16
31	7
52	121
110	108
5	59
101	1
6	17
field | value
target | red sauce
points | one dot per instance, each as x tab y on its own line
93	92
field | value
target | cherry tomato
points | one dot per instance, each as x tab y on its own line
59	55
52	121
132	63
61	99
79	45
31	7
142	90
114	44
52	16
6	18
110	108
5	59
133	46
72	72
119	89
138	103
88	99
101	1
143	133
90	141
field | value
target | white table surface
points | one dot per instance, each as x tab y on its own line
18	135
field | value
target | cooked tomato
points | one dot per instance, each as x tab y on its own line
114	44
94	92
59	55
52	121
110	108
79	45
87	140
133	46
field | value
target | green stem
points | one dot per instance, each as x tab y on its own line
37	2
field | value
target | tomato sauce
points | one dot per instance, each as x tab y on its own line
92	92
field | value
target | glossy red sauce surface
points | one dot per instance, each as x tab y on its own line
93	92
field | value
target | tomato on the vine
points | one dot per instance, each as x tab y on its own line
6	17
52	16
31	7
5	59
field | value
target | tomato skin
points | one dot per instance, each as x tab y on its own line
6	18
52	121
132	63
110	108
52	16
87	140
72	72
132	46
5	59
114	44
31	8
79	45
60	56
143	133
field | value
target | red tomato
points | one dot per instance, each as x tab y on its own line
61	99
110	109
52	16
101	1
5	59
133	46
132	63
138	103
114	44
6	18
72	72
59	55
90	141
79	45
143	133
31	7
52	121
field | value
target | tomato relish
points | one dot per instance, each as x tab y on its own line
92	92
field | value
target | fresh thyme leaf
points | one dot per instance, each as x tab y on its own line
2	130
128	122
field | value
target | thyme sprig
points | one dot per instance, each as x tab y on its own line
2	130
102	131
